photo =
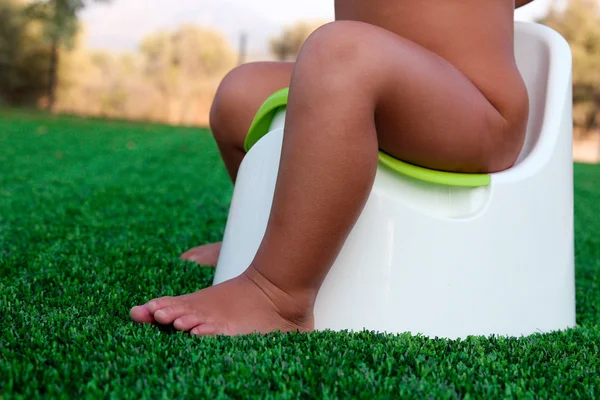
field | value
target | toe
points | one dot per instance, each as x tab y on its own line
160	303
141	314
188	322
205	330
169	314
192	255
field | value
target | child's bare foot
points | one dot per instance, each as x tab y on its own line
207	254
246	304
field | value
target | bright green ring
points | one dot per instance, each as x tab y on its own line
433	176
264	117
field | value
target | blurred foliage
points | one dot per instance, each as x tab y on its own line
173	75
579	23
178	63
172	78
287	45
24	58
60	25
58	16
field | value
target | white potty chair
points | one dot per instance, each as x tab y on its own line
443	254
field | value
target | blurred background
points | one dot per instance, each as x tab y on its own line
161	61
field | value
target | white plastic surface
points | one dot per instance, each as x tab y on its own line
443	261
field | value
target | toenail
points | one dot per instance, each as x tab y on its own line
152	304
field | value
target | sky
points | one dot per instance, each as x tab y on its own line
122	24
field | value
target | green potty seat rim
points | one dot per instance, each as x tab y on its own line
278	100
264	117
434	176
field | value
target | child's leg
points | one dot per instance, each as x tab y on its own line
354	87
237	100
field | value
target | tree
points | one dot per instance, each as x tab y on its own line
60	25
22	59
579	23
287	45
181	63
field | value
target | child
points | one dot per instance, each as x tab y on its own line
431	82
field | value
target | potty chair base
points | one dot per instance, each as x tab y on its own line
439	254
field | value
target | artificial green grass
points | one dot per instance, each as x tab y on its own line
93	217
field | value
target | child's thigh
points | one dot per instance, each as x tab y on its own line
431	115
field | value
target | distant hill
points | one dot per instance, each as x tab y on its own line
123	24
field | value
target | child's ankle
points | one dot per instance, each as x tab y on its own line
297	307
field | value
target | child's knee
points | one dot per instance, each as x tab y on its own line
229	100
339	53
240	95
